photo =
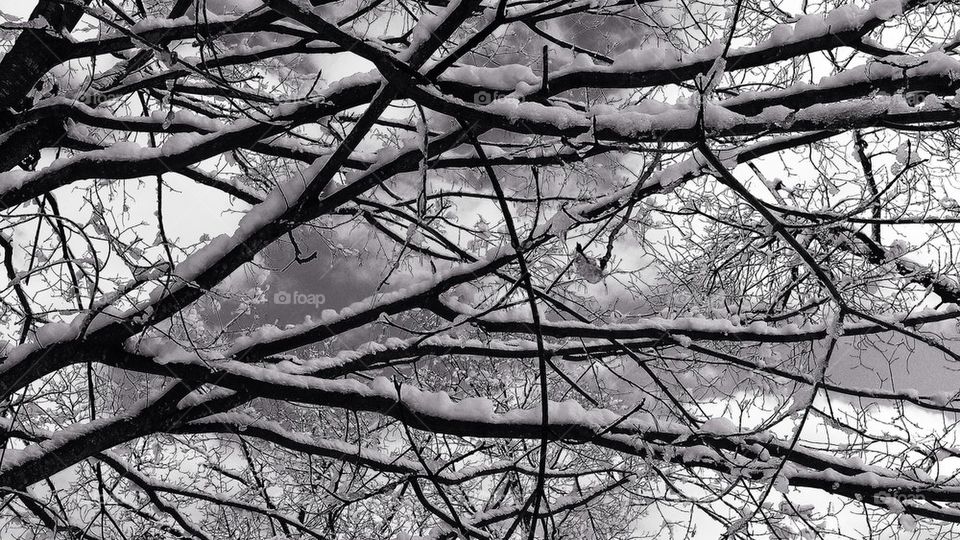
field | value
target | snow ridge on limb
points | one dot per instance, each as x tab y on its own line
569	421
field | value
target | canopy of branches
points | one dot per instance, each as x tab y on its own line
479	269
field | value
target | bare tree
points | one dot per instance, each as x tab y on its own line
498	269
